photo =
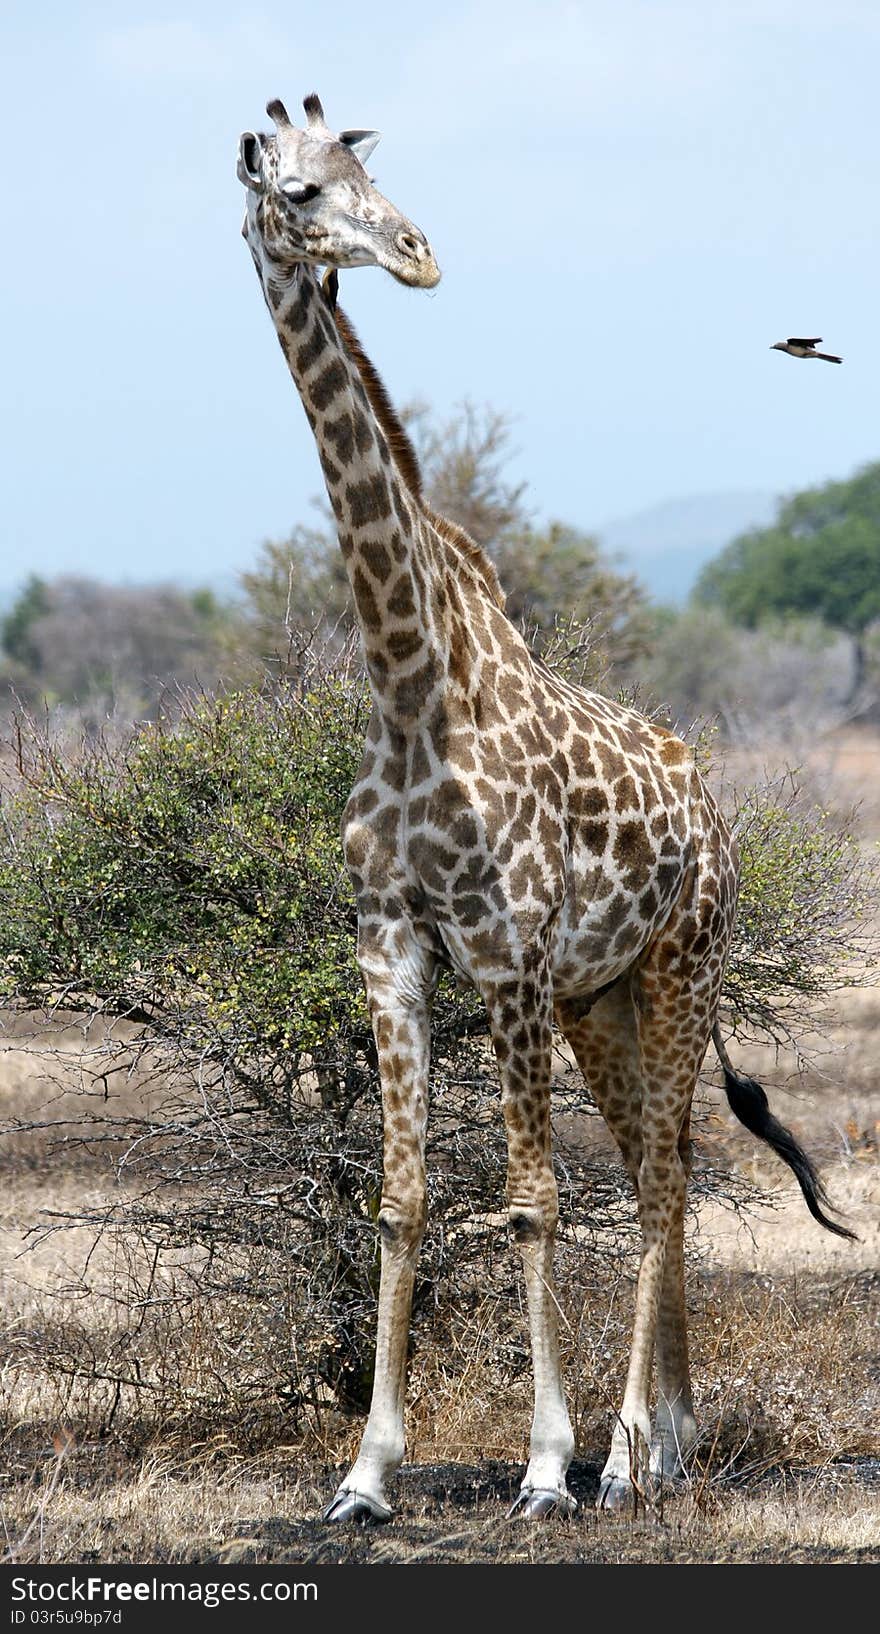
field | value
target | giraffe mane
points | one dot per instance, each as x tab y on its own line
404	455
471	551
398	438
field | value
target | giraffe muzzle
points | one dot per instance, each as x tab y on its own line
412	260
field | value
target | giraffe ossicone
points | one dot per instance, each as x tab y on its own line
558	851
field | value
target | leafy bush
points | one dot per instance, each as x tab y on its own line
803	927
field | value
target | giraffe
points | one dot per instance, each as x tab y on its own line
558	851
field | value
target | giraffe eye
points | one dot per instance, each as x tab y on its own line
299	194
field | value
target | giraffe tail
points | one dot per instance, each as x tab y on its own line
748	1102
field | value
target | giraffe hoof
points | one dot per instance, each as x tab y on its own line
355	1506
536	1503
672	1459
615	1494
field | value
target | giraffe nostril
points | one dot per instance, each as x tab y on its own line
412	244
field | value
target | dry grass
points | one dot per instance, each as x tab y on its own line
215	1507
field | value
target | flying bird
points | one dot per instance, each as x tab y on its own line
796	347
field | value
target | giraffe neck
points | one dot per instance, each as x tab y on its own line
390	556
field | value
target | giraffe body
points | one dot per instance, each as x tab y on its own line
558	851
560	818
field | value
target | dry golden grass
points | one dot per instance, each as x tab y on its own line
215	1507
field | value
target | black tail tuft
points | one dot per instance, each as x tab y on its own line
748	1102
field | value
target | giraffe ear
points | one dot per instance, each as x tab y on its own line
360	142
249	168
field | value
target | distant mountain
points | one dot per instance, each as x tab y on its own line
667	545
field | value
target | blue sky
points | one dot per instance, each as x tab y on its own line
630	201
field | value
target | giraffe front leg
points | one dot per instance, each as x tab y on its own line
523	1052
402	1033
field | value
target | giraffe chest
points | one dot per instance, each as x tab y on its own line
475	867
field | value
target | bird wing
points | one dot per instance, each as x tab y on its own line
793	340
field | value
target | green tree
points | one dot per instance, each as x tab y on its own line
821	557
17	629
113	648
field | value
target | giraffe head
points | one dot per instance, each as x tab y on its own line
310	199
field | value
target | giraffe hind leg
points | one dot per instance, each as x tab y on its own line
608	1048
520	1017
